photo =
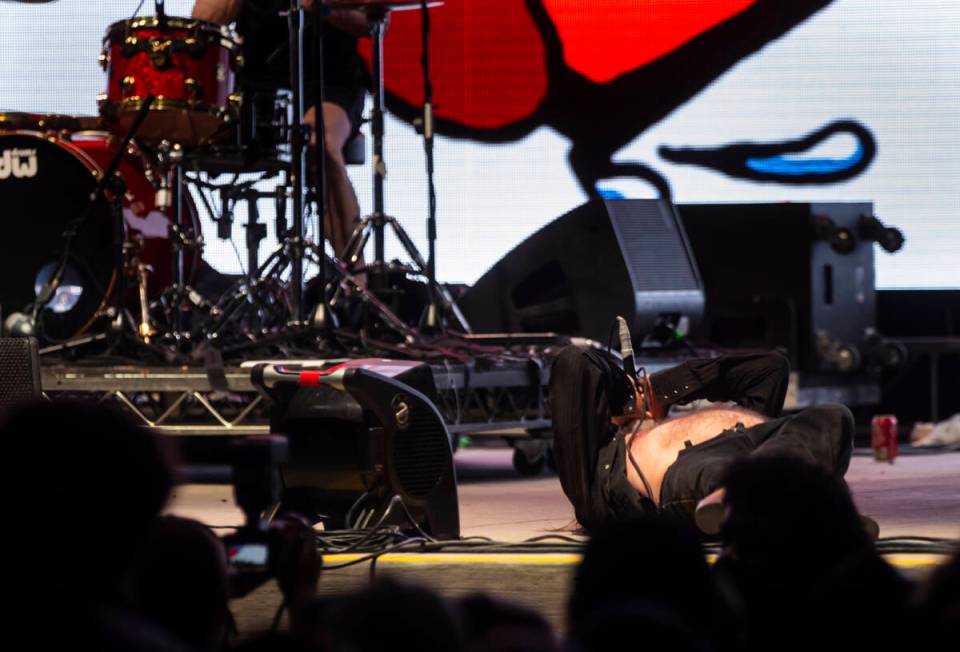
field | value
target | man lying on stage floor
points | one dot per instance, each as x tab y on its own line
618	455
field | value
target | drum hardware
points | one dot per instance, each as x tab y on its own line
108	180
183	125
141	272
179	300
247	302
258	294
42	207
111	188
257	142
293	245
259	303
378	220
138	273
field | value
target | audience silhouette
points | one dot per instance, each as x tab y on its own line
650	563
180	583
96	566
91	484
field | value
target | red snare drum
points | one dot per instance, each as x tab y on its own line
46	178
188	65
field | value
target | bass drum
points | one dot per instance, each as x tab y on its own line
46	179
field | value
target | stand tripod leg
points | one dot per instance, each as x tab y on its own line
435	288
356	244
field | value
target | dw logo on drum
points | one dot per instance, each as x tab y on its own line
21	163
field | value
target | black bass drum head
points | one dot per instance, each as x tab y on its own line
44	185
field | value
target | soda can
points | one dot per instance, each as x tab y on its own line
883	437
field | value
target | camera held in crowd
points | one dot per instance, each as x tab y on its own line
253	550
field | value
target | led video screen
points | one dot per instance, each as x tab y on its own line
544	102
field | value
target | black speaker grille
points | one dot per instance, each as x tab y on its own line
19	371
652	246
421	452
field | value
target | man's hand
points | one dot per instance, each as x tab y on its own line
645	406
647	398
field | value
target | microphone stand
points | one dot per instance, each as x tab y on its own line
322	316
433	321
295	244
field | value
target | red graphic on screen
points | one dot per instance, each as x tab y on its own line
606	38
601	72
487	61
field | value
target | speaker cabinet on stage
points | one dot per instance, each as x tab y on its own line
19	371
364	448
796	275
605	258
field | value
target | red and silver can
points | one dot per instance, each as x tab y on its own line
883	437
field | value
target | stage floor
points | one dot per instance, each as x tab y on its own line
919	495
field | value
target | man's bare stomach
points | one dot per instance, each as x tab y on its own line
656	448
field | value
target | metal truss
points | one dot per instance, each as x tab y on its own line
171	401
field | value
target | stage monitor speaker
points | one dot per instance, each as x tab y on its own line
626	257
19	371
793	275
365	449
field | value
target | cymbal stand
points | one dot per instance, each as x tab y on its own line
321	318
378	220
294	243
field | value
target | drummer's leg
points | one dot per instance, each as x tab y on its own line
343	209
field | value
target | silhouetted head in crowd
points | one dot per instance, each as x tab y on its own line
493	625
180	583
636	624
88	486
655	561
780	506
801	562
389	615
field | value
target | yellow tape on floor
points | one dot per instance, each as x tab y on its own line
901	560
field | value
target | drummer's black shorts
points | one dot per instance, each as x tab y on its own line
349	98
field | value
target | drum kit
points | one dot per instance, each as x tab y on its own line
103	232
